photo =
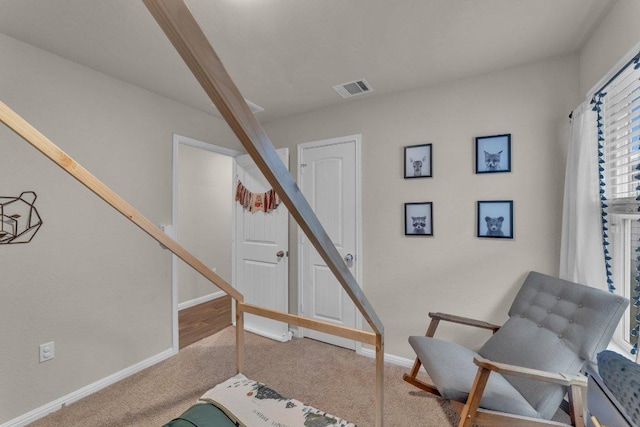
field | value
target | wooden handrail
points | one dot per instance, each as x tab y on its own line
329	328
53	152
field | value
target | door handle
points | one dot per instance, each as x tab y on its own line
348	258
280	254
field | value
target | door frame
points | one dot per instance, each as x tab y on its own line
357	138
172	231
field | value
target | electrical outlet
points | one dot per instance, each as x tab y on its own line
46	352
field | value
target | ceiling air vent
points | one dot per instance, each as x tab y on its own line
253	107
356	87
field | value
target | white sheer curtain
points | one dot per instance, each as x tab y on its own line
582	253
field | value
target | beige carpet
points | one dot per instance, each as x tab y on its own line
330	378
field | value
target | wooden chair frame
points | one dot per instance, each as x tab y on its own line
471	414
185	34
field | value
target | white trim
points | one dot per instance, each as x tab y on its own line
201	300
206	146
620	237
60	403
612	72
175	333
389	358
299	330
234	275
360	248
177	140
281	338
327	142
357	138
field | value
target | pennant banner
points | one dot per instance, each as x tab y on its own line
264	202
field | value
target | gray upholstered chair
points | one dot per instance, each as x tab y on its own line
521	374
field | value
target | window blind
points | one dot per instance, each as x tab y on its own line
618	118
620	128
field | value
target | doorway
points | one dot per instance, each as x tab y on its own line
202	221
329	176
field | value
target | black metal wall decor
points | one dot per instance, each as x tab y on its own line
19	218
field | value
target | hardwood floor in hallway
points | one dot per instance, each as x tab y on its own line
203	320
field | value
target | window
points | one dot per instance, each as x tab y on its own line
624	235
618	107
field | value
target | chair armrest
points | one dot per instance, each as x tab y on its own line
464	321
534	374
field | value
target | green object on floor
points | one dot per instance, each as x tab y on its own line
202	415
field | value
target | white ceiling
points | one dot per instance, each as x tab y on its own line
285	55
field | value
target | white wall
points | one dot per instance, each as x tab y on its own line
618	33
205	207
90	280
454	271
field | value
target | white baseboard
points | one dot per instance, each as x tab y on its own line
57	404
390	358
369	352
281	338
196	301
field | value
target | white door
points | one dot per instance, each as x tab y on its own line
328	175
261	253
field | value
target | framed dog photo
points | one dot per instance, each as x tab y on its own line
418	219
495	219
418	161
493	154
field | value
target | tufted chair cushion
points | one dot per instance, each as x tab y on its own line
452	371
556	326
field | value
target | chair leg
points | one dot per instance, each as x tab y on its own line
415	369
413	380
412	377
576	410
429	388
468	413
